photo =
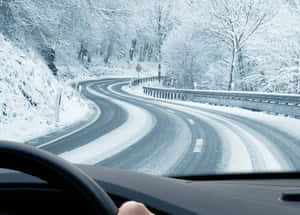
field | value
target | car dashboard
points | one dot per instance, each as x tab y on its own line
24	194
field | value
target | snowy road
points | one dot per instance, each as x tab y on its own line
160	137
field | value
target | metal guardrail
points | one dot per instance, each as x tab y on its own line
288	105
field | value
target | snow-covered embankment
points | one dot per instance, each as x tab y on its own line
28	96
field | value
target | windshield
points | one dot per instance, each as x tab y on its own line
173	87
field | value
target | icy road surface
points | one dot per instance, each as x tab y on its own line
175	138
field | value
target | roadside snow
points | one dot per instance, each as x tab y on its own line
28	92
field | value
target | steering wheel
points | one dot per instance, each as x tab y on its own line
56	171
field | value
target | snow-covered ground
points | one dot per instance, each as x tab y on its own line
28	94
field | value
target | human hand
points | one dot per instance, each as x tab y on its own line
134	208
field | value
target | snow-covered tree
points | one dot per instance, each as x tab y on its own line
234	23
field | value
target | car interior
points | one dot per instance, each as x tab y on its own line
44	183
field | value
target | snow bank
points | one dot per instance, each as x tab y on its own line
28	96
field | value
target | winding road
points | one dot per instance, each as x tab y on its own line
169	138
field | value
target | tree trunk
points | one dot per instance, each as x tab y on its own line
231	81
132	49
297	80
150	53
159	43
145	51
108	53
141	54
240	72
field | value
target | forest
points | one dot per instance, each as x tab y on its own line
248	45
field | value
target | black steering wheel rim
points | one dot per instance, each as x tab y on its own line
55	171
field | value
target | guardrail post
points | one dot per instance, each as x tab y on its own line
80	90
58	104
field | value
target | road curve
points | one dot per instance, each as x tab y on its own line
167	138
247	145
112	116
170	147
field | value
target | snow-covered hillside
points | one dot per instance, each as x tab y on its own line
28	96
